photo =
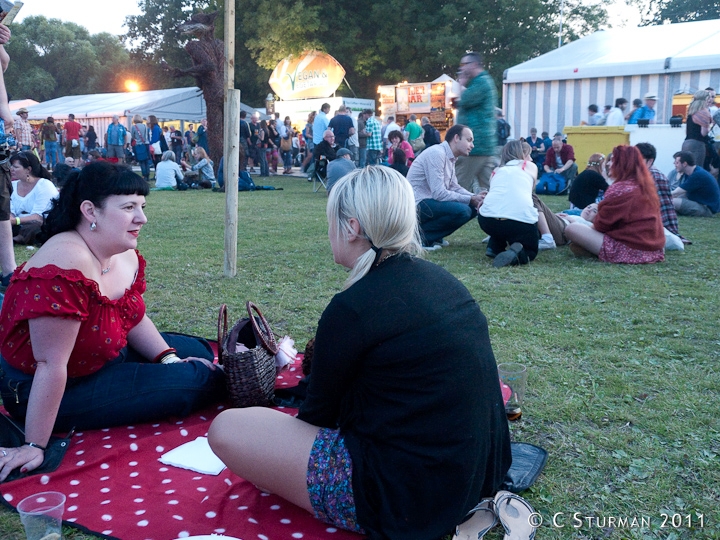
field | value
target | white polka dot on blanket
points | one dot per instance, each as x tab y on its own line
166	481
106	502
134	474
108	532
263	537
202	489
104	466
131	427
210	514
143	523
184	432
139	512
71	520
133	463
79	452
74	482
159	449
179	422
163	469
169	492
280	377
158	433
297	535
105	429
104	478
105	490
197	477
136	487
263	494
44	479
179	518
106	517
251	520
331	530
133	447
242	507
173	502
132	436
80	463
219	531
183	534
108	446
275	507
156	425
229	483
73	496
285	521
8	497
138	500
106	438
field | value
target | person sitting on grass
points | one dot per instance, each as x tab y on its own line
627	228
167	173
204	166
397	141
399	162
507	212
560	168
367	451
587	186
698	194
77	349
32	196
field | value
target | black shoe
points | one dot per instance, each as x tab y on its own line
509	257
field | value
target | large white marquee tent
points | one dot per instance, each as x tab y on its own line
554	90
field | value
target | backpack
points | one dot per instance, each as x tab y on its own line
503	129
437	136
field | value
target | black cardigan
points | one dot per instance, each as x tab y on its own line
404	367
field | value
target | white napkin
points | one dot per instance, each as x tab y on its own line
195	456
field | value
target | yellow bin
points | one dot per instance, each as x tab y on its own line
589	140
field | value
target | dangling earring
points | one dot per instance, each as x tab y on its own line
93	226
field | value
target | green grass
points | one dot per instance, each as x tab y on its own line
623	360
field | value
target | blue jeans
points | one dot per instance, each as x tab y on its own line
145	168
439	219
127	390
51	148
287	159
262	160
363	155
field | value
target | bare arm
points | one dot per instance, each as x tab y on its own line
4	38
53	339
146	339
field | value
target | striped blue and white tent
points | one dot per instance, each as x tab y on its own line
554	90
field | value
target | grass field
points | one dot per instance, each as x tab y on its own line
623	360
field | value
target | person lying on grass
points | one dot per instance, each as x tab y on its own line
628	227
76	346
403	430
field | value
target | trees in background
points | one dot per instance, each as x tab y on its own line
675	11
51	58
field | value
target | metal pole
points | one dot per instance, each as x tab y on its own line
231	136
562	10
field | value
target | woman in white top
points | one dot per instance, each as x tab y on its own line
32	196
507	212
167	173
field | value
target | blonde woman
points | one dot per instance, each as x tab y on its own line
368	452
698	126
204	166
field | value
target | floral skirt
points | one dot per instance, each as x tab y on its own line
614	251
329	480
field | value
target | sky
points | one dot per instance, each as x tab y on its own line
109	15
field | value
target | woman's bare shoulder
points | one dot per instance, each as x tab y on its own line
64	250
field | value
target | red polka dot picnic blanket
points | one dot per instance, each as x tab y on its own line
116	487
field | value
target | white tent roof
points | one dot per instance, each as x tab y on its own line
169	104
647	50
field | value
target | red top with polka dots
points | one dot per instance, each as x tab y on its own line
56	292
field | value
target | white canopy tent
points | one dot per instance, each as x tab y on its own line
183	104
554	90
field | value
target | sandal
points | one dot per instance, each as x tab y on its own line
482	519
515	515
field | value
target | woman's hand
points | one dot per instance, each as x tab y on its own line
27	457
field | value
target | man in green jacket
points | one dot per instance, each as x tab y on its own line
476	109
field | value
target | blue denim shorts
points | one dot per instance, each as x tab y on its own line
329	481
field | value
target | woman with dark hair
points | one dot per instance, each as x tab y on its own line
77	348
397	141
586	187
628	228
273	144
32	196
90	139
156	136
399	161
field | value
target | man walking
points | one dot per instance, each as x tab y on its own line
476	109
116	140
443	205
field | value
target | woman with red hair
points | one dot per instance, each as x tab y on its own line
628	228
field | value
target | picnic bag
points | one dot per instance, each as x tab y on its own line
250	374
285	144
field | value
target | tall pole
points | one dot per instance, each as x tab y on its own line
562	11
231	143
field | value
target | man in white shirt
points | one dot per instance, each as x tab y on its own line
443	205
616	116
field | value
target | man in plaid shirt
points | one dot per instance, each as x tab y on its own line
667	209
374	140
23	130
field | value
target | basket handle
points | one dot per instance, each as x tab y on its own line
222	329
265	335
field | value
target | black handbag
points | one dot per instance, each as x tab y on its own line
12	435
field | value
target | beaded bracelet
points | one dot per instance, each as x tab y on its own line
171	358
167	352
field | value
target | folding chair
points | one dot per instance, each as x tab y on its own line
317	173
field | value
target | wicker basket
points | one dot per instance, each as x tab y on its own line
250	374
